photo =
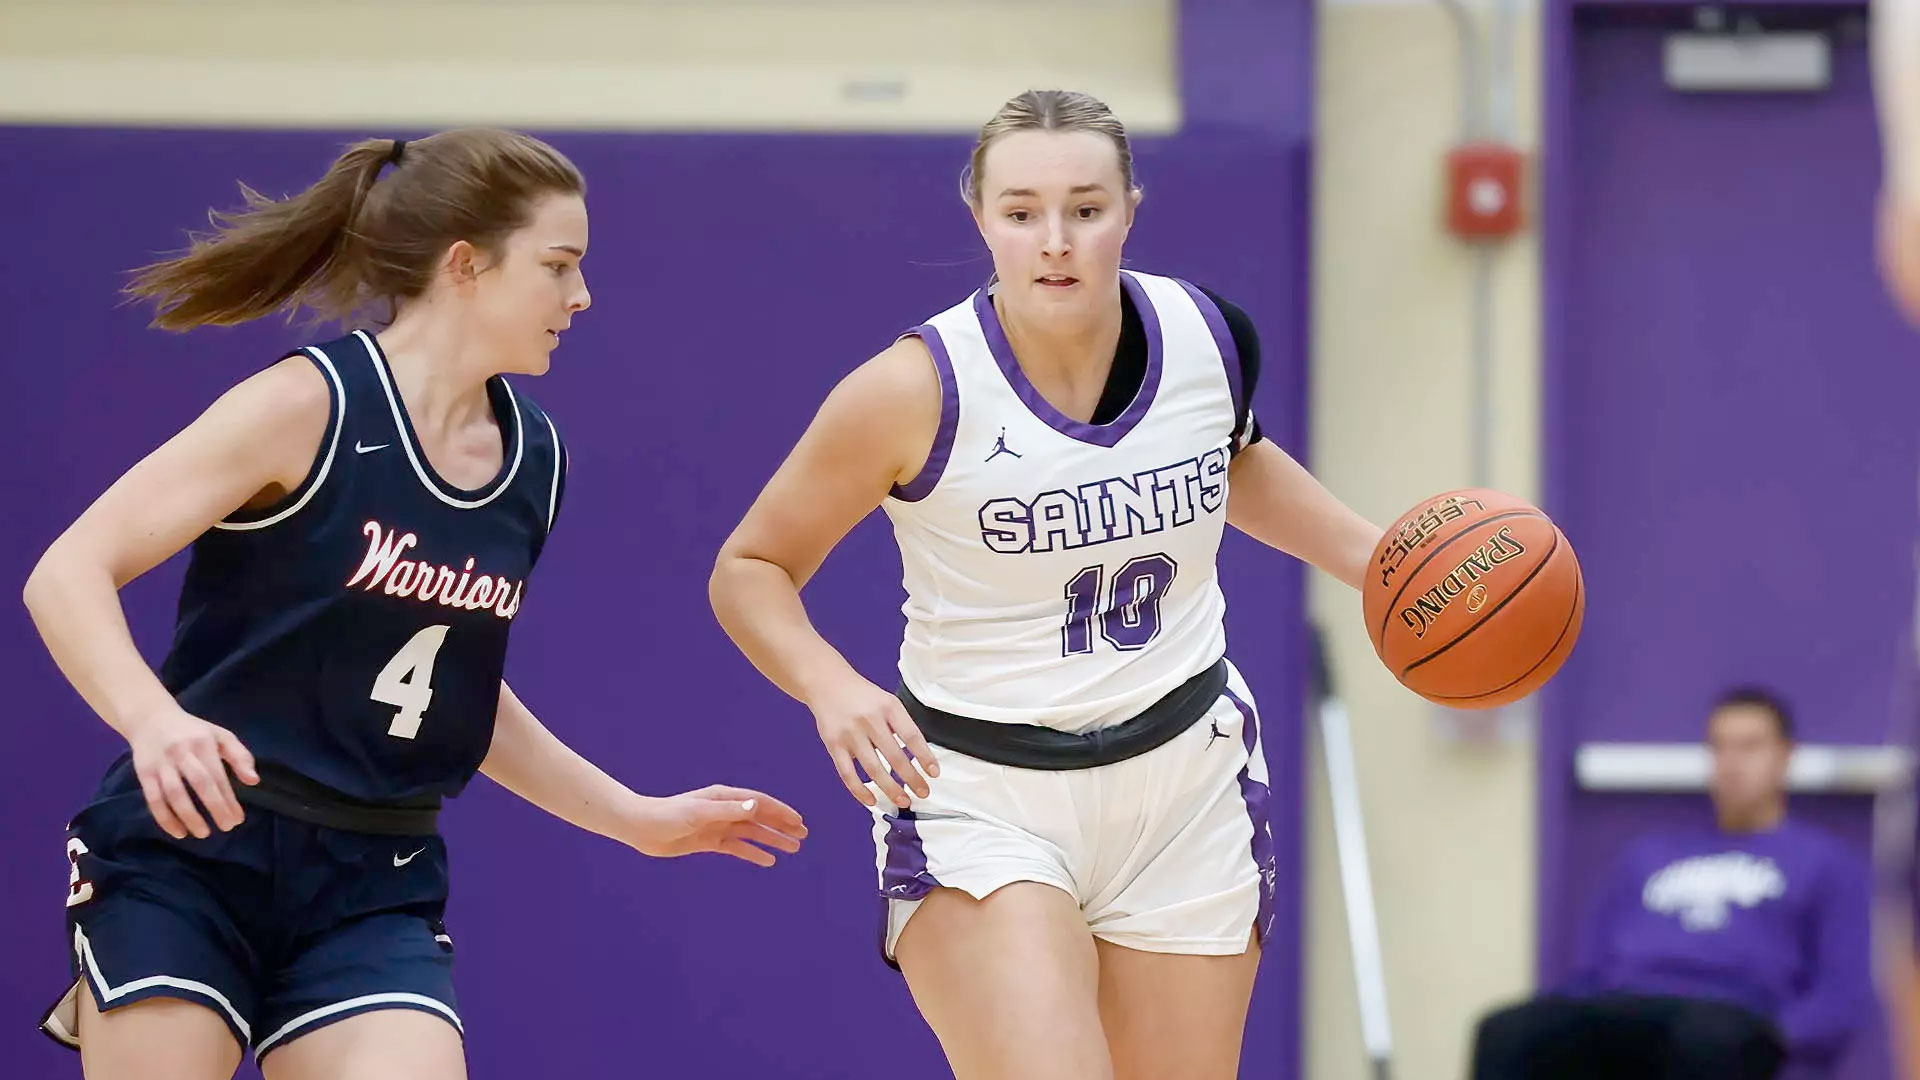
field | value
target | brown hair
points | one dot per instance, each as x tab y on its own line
353	237
1047	110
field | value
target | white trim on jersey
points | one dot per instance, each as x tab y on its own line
413	455
356	1003
109	993
326	465
559	462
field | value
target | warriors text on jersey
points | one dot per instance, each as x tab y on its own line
355	632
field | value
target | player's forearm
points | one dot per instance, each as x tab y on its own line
76	609
1896	75
532	762
759	607
1277	502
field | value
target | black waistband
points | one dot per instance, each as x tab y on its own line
1030	746
286	792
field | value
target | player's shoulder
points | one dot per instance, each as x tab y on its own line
901	375
1182	283
908	362
886	412
289	391
1244	336
1236	317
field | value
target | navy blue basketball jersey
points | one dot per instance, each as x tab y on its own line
354	632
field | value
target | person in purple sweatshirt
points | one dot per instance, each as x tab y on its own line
1713	952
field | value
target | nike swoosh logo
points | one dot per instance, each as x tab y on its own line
361	448
398	861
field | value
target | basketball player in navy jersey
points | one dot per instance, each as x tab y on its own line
1074	854
363	516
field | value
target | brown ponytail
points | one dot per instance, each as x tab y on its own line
355	236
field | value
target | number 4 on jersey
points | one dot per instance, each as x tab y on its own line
406	683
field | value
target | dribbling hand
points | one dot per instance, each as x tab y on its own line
863	726
175	752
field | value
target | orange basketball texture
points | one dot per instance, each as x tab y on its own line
1474	599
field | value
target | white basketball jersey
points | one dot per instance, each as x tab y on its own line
1063	573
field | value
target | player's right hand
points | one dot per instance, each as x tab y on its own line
175	752
863	726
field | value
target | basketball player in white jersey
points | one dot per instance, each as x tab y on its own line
1079	881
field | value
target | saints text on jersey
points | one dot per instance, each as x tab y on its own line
1107	510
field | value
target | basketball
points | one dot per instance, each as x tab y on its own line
1474	599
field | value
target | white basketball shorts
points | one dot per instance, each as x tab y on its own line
1169	851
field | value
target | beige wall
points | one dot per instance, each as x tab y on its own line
870	65
1451	825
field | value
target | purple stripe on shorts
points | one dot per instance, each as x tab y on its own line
1257	799
1223	340
923	483
905	876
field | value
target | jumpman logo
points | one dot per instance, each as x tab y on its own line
1000	447
1217	733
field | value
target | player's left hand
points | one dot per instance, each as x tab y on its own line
719	819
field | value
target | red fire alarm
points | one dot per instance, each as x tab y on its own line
1483	190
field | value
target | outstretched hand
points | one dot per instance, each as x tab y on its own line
745	824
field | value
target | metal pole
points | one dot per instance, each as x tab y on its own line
1356	880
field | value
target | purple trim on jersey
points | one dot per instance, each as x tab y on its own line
1229	352
1097	434
923	483
905	876
1257	798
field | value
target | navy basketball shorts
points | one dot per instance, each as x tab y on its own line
280	927
1166	852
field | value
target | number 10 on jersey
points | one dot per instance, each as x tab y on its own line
1131	618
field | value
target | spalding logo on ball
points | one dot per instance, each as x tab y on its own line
1474	599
